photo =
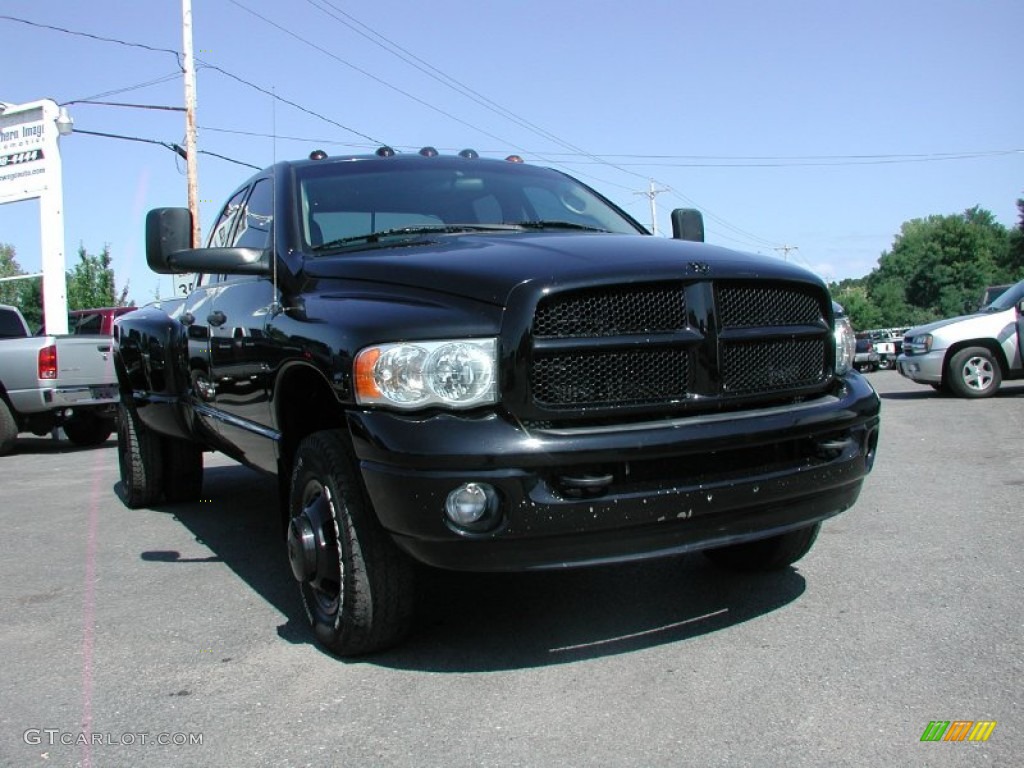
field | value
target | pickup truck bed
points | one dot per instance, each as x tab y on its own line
55	381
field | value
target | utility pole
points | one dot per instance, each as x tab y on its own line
786	249
650	194
191	153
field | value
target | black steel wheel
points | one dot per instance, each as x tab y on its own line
974	372
88	429
356	585
139	456
8	429
771	554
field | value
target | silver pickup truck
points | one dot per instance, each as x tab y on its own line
54	381
971	355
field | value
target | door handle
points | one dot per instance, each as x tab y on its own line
216	319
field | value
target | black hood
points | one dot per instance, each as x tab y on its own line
487	267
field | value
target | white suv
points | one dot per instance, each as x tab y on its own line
972	354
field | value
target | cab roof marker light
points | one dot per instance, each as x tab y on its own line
469	154
428	152
385	151
514	159
317	154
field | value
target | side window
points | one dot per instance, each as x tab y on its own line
221	232
256	217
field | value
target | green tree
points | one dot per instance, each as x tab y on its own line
1014	263
91	282
9	267
938	266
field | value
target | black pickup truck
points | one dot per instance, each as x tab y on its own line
480	364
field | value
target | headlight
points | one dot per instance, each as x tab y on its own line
918	345
846	345
453	373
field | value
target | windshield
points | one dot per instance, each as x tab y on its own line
356	205
1007	299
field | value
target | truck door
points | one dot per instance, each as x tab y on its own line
239	346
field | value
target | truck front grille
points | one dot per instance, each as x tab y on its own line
684	345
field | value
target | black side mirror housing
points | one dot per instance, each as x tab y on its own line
168	230
688	224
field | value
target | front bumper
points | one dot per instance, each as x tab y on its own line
677	485
924	369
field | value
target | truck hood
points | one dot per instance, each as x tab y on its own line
487	267
967	326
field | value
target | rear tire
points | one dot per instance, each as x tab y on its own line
771	554
183	470
88	429
974	372
8	429
356	585
139	455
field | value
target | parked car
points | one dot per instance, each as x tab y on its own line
54	381
866	357
972	354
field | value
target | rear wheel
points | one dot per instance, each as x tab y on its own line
8	429
974	372
139	456
87	429
182	470
356	586
771	554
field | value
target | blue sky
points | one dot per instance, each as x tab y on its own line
821	125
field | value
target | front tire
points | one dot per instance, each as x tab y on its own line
771	554
356	585
974	372
139	455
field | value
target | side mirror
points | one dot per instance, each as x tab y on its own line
168	230
169	249
688	224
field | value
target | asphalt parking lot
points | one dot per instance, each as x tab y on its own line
175	636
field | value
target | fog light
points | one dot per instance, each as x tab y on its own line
469	504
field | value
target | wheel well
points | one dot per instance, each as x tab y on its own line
990	344
305	404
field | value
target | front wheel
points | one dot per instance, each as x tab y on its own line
974	372
140	458
771	554
356	585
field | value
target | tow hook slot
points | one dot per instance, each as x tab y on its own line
833	448
584	486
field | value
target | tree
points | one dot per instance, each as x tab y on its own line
91	282
939	266
9	267
1014	263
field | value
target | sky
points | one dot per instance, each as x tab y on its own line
805	130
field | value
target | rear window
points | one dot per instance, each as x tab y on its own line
10	325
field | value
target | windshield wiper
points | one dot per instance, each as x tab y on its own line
551	224
429	229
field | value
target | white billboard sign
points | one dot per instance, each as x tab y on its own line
30	167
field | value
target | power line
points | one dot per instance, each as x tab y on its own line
91	36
